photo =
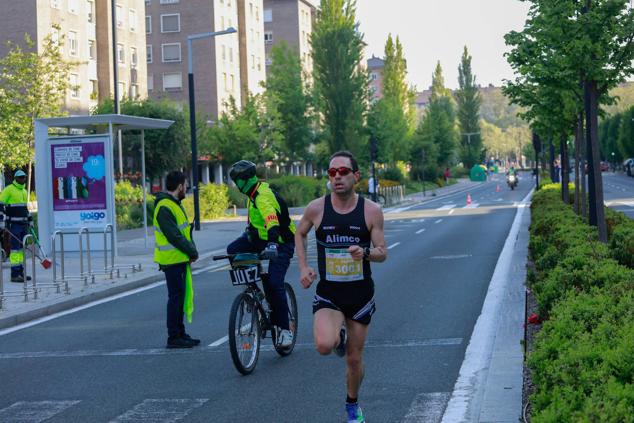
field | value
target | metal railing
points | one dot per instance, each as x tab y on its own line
393	195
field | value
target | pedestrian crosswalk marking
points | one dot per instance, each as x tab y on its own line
472	206
446	207
160	410
33	411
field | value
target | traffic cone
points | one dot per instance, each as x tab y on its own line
468	199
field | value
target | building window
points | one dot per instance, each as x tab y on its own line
94	89
122	92
172	81
222	23
252	61
148	53
169	1
120	53
233	82
257	14
56	4
228	3
231	54
171	52
224	81
268	37
252	35
171	23
268	15
134	91
373	76
92	50
150	82
90	6
251	9
148	2
224	52
132	20
72	43
119	16
55	38
73	7
134	58
74	85
259	63
148	24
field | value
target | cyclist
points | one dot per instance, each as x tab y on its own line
346	225
270	230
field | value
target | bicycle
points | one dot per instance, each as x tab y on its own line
250	315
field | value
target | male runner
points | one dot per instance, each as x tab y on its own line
349	233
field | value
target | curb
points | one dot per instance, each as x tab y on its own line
78	300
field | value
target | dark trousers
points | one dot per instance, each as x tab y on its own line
274	287
175	278
18	232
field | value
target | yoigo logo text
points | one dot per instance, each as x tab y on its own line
92	216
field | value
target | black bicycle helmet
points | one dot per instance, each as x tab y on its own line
243	169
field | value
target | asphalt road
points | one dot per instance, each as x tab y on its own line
108	363
618	192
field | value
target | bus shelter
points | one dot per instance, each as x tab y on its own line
74	175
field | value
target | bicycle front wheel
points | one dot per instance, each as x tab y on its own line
244	333
292	321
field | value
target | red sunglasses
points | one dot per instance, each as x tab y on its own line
343	171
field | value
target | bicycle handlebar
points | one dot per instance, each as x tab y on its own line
261	256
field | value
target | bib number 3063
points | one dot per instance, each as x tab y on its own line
341	267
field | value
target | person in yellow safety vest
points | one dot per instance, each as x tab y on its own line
14	201
271	232
174	252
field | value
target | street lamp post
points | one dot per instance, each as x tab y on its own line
192	118
469	135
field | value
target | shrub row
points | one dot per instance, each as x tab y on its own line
583	358
298	191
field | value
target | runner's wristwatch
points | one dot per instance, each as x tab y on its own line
366	253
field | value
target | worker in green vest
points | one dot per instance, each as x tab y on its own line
174	252
13	200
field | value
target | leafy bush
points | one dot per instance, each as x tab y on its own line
125	193
214	202
236	197
392	174
622	244
298	191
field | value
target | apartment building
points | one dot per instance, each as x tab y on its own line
251	33
376	66
216	61
83	25
290	21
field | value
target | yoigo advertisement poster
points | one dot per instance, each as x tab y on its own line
78	176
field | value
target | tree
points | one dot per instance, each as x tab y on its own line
288	96
468	101
33	85
165	149
340	81
439	122
388	119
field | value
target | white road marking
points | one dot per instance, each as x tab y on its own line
225	338
438	221
446	207
451	211
454	257
160	410
473	371
420	230
472	206
427	407
33	411
393	245
209	268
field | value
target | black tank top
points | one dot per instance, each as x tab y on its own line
334	235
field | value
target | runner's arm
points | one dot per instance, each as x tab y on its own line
378	252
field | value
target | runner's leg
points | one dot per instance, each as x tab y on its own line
326	328
357	334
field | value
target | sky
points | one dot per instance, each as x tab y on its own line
433	30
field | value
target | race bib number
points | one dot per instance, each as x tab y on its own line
341	267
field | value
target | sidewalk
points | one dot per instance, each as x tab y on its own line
132	250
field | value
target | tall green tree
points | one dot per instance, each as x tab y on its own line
288	95
33	85
468	109
439	122
388	120
340	81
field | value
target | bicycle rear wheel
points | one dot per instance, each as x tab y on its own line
244	333
292	320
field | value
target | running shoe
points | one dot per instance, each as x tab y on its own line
340	349
284	338
355	415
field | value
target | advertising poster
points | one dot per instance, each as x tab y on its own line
79	185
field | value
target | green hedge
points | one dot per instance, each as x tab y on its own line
298	191
583	358
214	202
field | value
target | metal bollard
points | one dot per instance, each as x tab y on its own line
33	277
63	279
81	255
109	229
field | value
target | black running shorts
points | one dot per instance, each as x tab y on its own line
354	299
